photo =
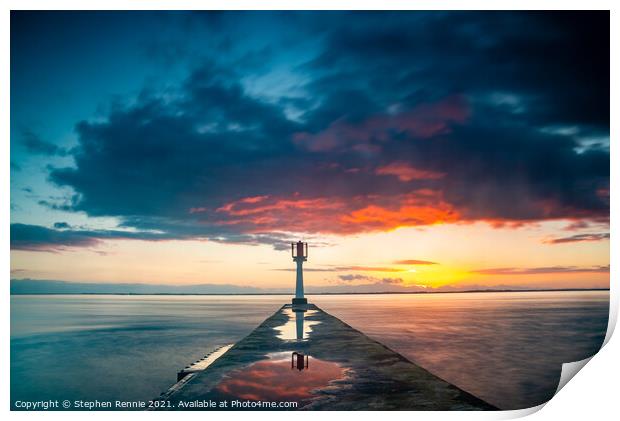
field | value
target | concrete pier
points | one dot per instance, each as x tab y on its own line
303	358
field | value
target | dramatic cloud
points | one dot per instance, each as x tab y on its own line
336	215
395	119
422	122
543	270
578	238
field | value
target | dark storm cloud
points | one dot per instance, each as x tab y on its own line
516	173
557	62
161	159
406	119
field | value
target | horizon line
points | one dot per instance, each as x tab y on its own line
322	293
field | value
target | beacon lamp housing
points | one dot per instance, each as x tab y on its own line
299	250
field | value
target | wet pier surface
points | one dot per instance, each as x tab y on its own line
311	360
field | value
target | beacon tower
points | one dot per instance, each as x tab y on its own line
299	250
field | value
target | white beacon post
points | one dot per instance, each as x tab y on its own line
299	250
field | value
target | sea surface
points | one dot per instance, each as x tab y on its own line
506	347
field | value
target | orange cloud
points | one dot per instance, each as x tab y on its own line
412	212
335	215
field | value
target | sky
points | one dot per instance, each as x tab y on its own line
413	151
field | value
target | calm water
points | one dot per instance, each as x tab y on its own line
506	348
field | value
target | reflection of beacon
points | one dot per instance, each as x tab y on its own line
299	324
299	251
299	361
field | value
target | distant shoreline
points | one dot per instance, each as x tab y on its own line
317	293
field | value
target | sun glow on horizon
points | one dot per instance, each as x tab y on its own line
432	257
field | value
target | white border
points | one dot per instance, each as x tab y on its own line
591	395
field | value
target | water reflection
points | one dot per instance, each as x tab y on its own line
296	328
95	347
506	348
299	361
273	379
